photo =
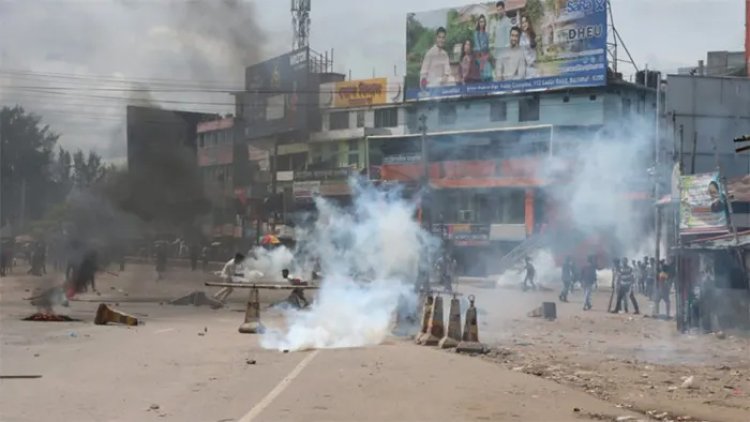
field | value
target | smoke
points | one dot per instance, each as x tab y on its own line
370	255
270	262
604	173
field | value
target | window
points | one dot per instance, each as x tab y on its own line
411	118
353	152
447	114
338	120
528	109
499	111
386	117
201	140
361	118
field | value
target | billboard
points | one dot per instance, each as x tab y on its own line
703	204
501	47
276	97
361	93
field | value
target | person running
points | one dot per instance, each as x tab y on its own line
234	268
530	274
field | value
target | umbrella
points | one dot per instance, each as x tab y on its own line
269	239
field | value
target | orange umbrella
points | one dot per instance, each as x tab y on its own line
270	239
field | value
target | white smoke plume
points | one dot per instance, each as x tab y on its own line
369	256
601	194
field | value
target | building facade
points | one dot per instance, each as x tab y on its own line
488	190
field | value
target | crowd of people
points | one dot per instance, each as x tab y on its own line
505	51
629	277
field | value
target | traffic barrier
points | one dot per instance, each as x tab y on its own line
426	311
435	328
453	336
105	314
252	323
470	342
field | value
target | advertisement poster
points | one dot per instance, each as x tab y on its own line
703	204
506	46
276	95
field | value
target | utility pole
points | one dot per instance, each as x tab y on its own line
425	182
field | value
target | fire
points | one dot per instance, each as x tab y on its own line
48	317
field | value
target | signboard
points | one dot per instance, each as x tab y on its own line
464	234
305	191
215	155
277	95
335	174
361	93
703	204
502	47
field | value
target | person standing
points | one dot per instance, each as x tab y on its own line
588	280
194	254
528	44
502	30
161	261
663	288
512	63
625	288
567	278
436	66
530	275
482	50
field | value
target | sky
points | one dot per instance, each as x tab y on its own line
178	46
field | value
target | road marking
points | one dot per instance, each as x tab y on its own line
165	330
271	396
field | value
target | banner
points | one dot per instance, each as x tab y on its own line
360	93
703	204
510	46
276	96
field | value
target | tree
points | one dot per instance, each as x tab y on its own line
87	171
26	146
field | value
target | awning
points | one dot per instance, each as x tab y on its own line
463	132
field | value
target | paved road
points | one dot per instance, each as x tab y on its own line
192	363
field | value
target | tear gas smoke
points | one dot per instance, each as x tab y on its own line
369	256
594	177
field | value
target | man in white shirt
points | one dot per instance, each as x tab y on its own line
232	272
436	66
502	30
512	64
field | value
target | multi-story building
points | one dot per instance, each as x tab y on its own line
350	112
484	156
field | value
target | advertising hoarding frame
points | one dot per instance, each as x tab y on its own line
568	49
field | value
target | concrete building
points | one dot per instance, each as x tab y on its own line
484	156
350	112
705	114
718	63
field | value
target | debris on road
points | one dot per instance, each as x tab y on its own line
250	362
197	298
49	317
154	407
105	314
19	377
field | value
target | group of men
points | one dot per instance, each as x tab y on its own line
645	277
236	270
649	278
